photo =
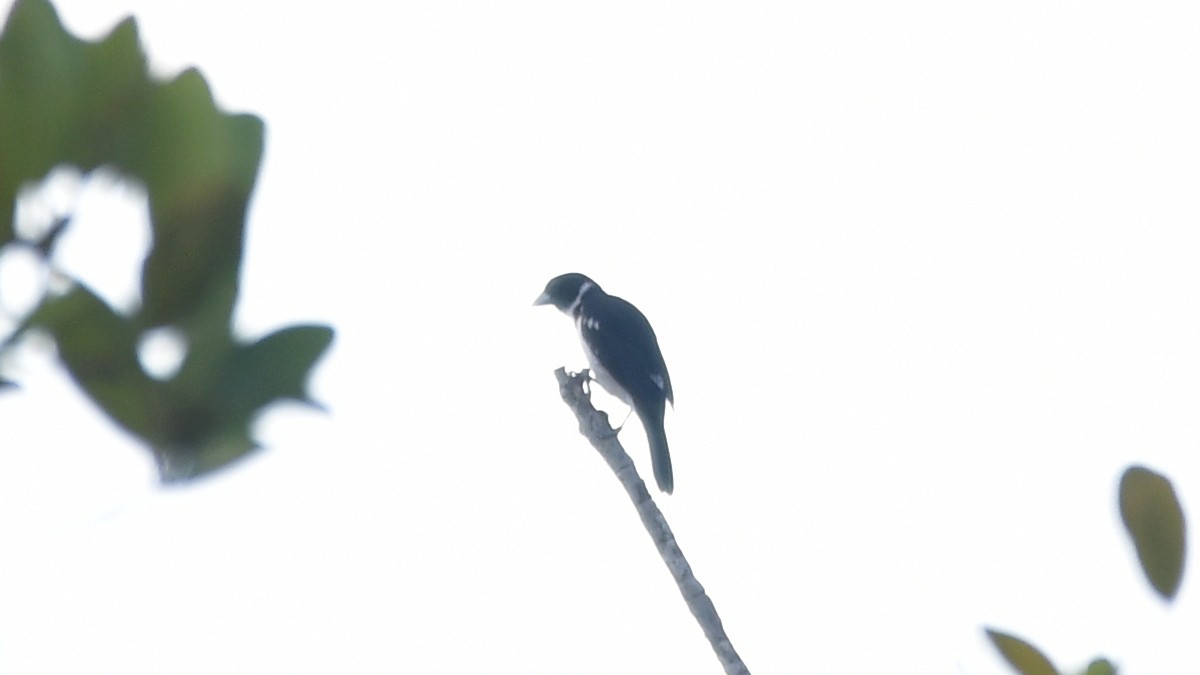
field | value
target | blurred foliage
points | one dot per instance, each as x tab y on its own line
1028	660
1101	667
1021	655
1154	519
93	105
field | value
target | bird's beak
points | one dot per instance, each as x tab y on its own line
543	299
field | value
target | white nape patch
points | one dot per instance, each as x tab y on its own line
583	288
161	352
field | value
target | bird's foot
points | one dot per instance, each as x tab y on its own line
586	374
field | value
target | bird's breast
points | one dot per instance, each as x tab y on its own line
600	373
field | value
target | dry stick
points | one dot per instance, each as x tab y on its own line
594	425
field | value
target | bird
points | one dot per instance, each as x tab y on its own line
624	357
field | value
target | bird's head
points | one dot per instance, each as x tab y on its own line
565	290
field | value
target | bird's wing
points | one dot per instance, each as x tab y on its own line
622	339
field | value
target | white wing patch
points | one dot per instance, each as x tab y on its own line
599	372
658	381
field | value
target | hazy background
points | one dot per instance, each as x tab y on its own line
925	275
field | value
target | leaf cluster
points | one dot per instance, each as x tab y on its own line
93	105
1153	518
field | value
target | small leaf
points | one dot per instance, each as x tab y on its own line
1021	655
199	179
1100	666
1154	519
275	367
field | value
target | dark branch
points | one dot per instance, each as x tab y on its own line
594	425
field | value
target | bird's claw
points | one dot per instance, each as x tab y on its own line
586	374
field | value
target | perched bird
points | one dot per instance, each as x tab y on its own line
623	354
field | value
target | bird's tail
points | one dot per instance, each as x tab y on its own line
660	457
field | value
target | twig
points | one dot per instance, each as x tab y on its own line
594	425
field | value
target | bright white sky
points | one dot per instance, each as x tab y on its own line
927	277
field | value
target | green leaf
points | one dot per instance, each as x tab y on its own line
1154	520
1021	655
1100	666
66	101
275	367
218	393
98	346
199	179
62	100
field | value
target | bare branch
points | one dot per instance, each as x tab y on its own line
594	425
